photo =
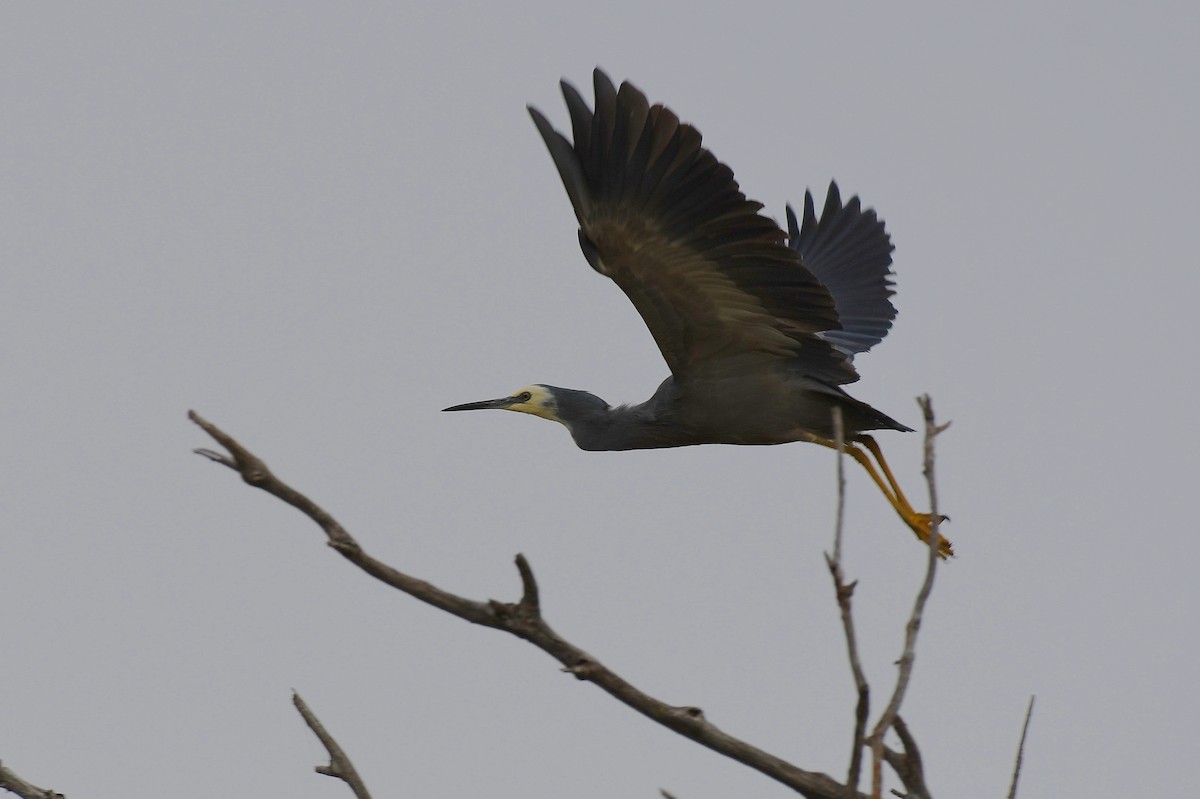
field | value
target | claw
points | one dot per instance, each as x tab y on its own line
922	525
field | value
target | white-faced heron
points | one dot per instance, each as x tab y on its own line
758	327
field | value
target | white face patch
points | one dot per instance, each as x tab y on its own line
540	403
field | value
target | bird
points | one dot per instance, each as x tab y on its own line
759	327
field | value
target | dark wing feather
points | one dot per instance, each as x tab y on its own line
850	252
662	217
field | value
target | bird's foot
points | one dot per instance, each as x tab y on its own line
922	525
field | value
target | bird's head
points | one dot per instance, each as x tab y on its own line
587	416
537	400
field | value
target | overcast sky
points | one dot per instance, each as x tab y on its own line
318	224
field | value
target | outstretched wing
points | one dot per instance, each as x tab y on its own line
850	252
710	275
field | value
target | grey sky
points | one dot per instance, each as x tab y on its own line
318	225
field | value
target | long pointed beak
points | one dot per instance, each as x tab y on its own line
501	403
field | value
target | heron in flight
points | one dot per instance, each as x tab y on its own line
759	328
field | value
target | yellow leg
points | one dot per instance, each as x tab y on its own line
870	443
920	523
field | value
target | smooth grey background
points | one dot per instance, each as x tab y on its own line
317	224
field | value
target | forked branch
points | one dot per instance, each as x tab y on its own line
907	764
524	620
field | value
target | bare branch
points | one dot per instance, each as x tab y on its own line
907	764
339	764
844	595
839	439
524	620
26	790
529	593
1012	791
255	472
889	716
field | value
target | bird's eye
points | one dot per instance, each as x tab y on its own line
524	396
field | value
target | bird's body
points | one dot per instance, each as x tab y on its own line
740	405
759	328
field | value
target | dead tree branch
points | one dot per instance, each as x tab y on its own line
907	764
339	763
888	718
26	790
1012	791
524	620
845	593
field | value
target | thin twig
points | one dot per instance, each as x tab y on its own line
887	719
1012	791
530	600
339	764
839	438
26	790
845	594
524	620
